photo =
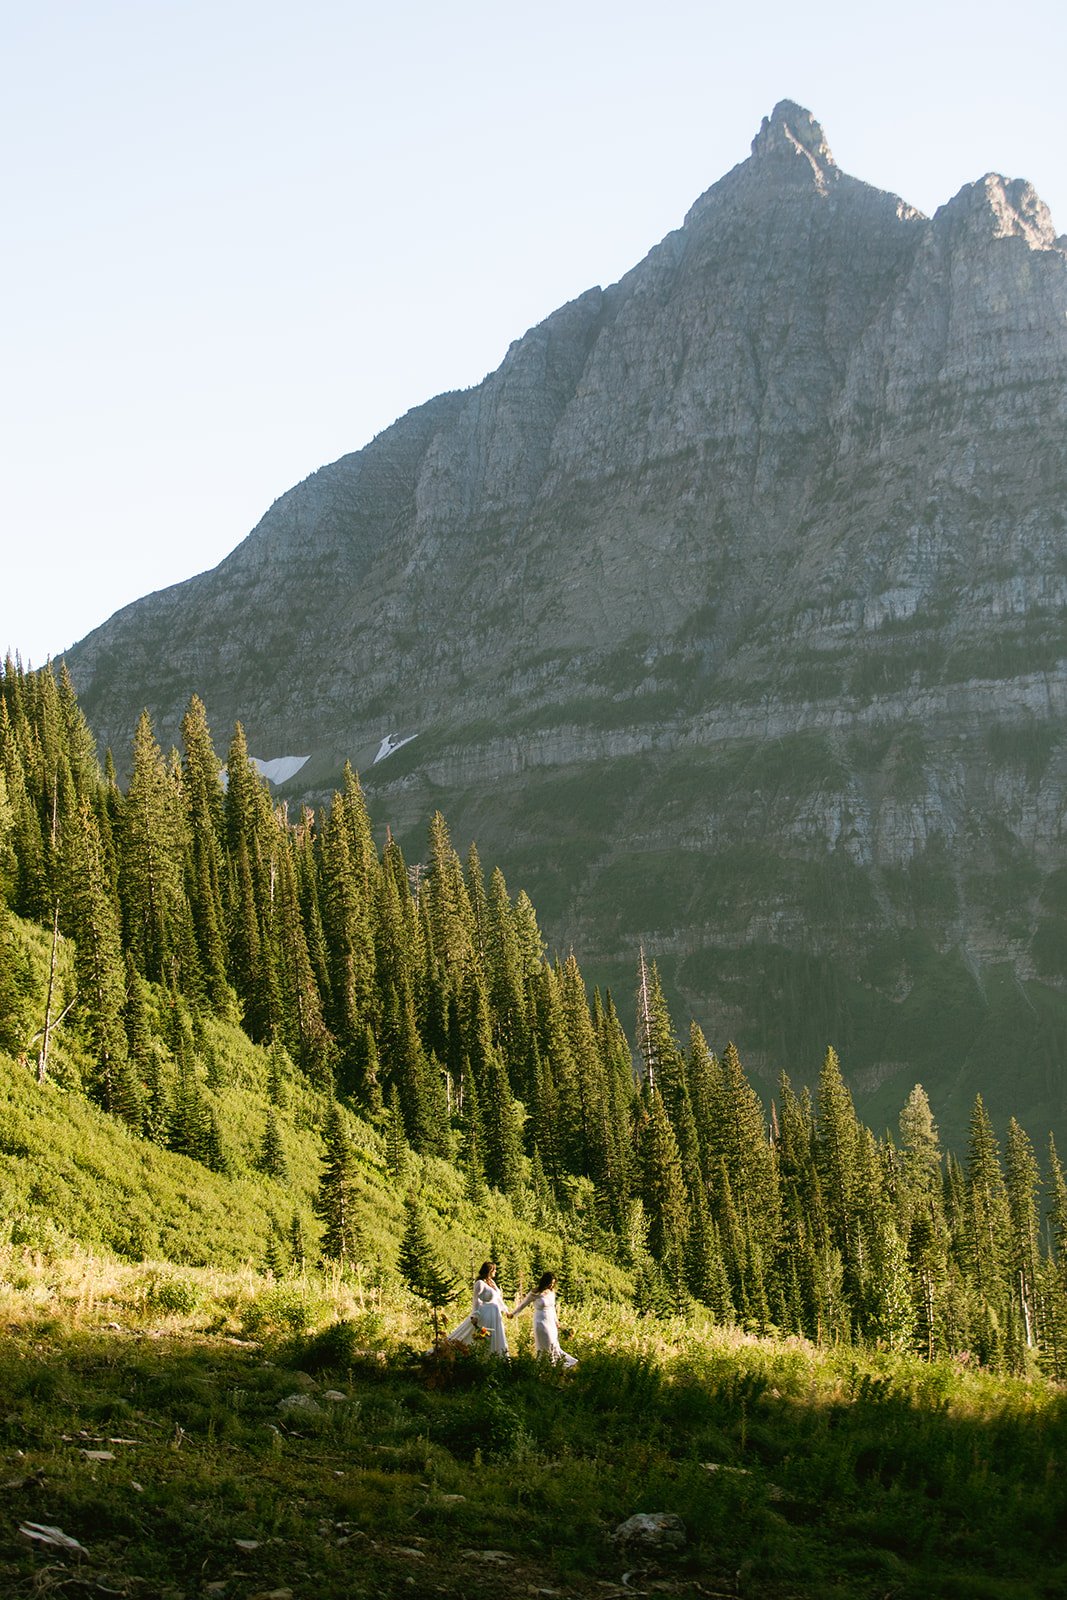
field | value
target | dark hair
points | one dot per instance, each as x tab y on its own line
485	1269
546	1281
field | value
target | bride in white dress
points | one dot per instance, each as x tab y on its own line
487	1313
545	1325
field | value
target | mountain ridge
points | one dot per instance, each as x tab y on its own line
786	499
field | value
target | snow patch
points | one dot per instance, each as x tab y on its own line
391	742
280	769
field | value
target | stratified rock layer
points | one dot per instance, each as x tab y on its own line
728	615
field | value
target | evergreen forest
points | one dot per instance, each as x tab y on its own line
418	1000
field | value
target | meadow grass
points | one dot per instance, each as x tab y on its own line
795	1471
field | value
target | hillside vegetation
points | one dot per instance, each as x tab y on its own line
290	1025
249	1064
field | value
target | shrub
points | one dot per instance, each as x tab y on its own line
178	1295
332	1349
282	1311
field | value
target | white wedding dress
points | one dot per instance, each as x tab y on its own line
545	1326
487	1312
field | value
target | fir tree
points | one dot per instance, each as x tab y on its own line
336	1203
396	1145
1055	1267
501	1144
737	1137
1023	1181
297	1243
987	1234
837	1161
450	917
299	1006
99	968
249	828
506	992
274	1259
705	1270
421	1268
662	1187
152	851
272	1152
203	801
348	931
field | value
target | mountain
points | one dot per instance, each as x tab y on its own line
728	615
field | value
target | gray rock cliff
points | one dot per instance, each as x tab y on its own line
729	616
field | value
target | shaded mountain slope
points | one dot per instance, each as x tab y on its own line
728	614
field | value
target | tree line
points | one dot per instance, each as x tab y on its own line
422	999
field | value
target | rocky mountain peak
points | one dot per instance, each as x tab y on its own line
727	615
793	132
1003	208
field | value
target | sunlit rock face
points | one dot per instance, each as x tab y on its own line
729	616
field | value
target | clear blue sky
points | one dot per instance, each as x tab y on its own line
241	238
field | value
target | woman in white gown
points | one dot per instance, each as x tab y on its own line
487	1313
545	1325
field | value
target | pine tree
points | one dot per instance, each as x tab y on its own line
32	892
152	850
893	1317
618	1062
559	1070
274	1259
278	1068
529	938
99	967
421	1268
662	1187
655	1033
1055	1267
306	865
405	1065
272	1152
396	1144
987	1225
602	1139
349	935
502	1148
474	879
703	1073
738	1140
1023	1181
394	930
705	1269
79	745
249	827
297	1243
336	1203
203	801
185	1131
299	1007
473	1135
921	1153
837	1162
450	918
507	996
209	1146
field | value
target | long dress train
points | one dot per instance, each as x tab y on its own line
486	1313
546	1326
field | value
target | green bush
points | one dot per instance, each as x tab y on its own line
172	1294
283	1310
332	1349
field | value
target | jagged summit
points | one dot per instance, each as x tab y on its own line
790	157
1012	205
792	130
